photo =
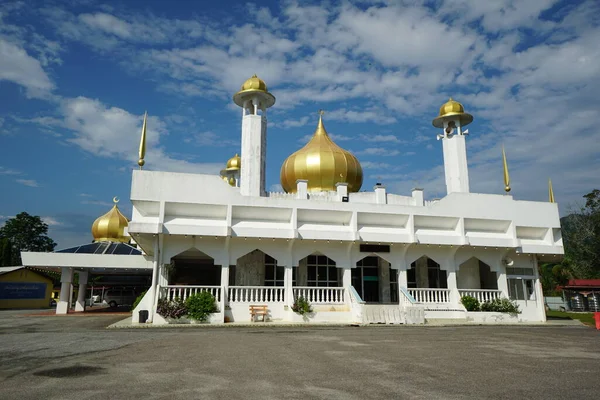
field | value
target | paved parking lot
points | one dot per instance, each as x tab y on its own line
73	357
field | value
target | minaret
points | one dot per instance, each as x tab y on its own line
254	100
452	120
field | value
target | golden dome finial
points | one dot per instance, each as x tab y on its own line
506	175
322	163
110	227
452	110
142	152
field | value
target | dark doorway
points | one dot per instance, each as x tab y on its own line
365	279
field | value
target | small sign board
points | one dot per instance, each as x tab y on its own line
22	290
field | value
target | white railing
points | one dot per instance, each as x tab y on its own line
482	295
256	294
183	292
430	295
413	313
320	295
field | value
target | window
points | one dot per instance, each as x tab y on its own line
321	271
521	289
518	271
274	274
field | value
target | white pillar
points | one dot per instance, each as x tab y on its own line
342	190
154	284
347	277
302	189
380	195
288	285
254	149
83	279
539	293
225	285
452	284
501	281
66	277
418	198
455	161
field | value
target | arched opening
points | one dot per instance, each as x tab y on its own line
426	273
317	270
375	281
475	274
193	267
258	269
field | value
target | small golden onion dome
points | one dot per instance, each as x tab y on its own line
323	164
110	227
231	181
450	111
254	83
254	88
234	163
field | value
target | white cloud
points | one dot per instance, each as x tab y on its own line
211	139
51	221
8	171
378	151
97	203
20	68
114	132
381	138
28	182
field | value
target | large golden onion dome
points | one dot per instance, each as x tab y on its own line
451	110
323	164
110	227
234	163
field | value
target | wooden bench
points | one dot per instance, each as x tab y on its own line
256	310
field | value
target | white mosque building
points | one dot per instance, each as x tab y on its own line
356	256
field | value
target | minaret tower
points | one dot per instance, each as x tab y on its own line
452	120
254	100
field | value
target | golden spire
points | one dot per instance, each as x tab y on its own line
550	192
506	176
142	153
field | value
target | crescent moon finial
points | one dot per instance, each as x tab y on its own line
115	199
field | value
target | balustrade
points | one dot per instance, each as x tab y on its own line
256	294
482	295
183	292
430	295
321	295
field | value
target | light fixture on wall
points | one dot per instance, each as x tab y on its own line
508	261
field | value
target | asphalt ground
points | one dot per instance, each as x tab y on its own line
74	357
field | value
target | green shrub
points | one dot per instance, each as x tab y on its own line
171	309
200	306
301	306
470	303
138	299
501	305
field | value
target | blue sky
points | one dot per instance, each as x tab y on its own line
77	76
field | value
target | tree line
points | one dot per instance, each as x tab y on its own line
24	232
581	240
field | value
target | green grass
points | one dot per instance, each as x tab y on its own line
586	318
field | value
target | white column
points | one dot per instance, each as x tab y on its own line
455	161
83	279
288	285
452	285
418	197
302	189
501	280
342	190
225	285
347	277
154	284
66	277
254	147
380	194
539	293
